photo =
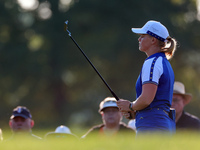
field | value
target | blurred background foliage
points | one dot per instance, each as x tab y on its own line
41	68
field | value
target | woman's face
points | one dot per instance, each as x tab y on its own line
144	42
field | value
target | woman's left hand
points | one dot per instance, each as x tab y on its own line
123	105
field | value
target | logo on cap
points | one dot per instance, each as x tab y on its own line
19	110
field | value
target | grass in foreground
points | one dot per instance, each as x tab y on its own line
179	141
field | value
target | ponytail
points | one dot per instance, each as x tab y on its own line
168	50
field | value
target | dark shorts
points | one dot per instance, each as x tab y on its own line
154	120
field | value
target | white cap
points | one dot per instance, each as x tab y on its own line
63	129
153	28
108	102
60	132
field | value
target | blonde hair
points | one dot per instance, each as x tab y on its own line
168	47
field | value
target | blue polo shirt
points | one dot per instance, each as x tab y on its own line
157	70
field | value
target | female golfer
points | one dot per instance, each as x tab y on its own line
154	86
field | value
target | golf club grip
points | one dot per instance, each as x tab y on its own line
114	95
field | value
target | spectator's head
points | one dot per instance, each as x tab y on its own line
61	132
111	115
180	98
131	124
1	135
21	120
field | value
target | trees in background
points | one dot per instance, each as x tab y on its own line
42	69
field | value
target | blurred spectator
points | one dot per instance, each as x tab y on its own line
21	123
184	120
111	117
1	135
131	124
61	132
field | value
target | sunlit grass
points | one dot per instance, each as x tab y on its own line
179	141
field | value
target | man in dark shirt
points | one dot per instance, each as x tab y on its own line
21	123
184	120
111	117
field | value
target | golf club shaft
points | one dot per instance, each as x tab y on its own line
93	66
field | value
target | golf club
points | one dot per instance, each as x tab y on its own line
69	33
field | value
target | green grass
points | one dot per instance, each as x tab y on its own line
179	141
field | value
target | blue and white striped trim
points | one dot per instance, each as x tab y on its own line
153	82
152	67
156	36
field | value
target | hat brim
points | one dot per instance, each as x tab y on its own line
138	30
54	134
106	105
18	115
187	96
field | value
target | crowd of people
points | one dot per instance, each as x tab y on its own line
158	107
21	122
